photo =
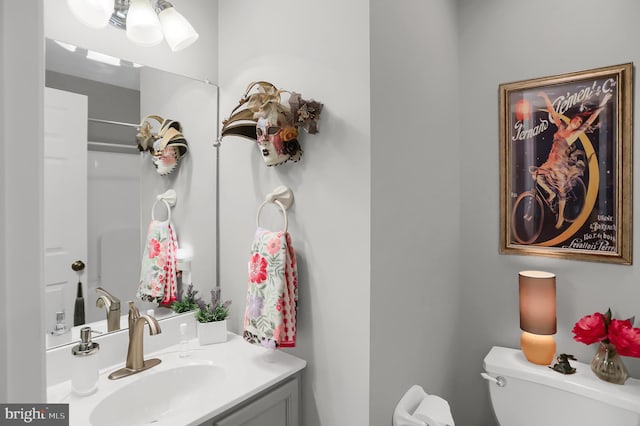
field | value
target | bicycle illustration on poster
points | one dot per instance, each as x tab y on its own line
565	165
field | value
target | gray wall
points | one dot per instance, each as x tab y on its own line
194	104
21	223
321	50
3	229
415	208
503	41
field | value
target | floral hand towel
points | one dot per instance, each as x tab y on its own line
270	316
158	272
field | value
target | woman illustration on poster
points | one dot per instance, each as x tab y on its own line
564	164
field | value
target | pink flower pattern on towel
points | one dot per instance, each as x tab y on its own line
158	270
272	294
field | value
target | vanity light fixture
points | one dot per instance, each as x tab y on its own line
143	25
146	22
177	30
537	290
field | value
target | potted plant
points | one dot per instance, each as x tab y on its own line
212	319
186	302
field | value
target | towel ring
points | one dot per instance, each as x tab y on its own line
282	207
166	205
168	198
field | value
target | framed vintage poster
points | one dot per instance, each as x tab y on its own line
566	165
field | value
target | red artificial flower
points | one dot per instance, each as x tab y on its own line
257	269
625	338
590	329
602	328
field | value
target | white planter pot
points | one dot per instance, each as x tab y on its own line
212	332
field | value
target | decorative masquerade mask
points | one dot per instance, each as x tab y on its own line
277	145
261	116
167	147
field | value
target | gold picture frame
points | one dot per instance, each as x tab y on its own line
566	165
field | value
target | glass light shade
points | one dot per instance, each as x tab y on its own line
143	27
537	291
93	13
177	30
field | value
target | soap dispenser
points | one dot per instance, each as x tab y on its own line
84	371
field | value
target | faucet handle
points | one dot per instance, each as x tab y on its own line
134	314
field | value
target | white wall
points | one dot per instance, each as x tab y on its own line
321	50
415	211
504	41
21	268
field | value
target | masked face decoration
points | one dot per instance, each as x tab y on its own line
166	160
167	147
276	144
263	117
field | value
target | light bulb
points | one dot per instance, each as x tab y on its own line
143	27
177	30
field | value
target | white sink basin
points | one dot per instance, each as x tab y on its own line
190	391
154	397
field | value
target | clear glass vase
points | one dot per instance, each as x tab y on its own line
608	365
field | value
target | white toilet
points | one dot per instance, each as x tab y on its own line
524	394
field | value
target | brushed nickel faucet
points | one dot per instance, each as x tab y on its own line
135	354
112	306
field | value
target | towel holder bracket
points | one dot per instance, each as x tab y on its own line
282	194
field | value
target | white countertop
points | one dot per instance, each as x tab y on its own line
247	370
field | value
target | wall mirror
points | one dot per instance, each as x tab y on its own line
99	189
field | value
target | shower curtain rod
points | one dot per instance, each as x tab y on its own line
112	147
117	123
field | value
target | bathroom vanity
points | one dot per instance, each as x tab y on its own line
226	384
277	406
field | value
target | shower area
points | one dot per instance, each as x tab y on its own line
113	225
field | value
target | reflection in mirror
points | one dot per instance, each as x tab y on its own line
96	181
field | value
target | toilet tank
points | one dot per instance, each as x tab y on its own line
533	394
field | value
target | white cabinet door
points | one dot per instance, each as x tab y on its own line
277	408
